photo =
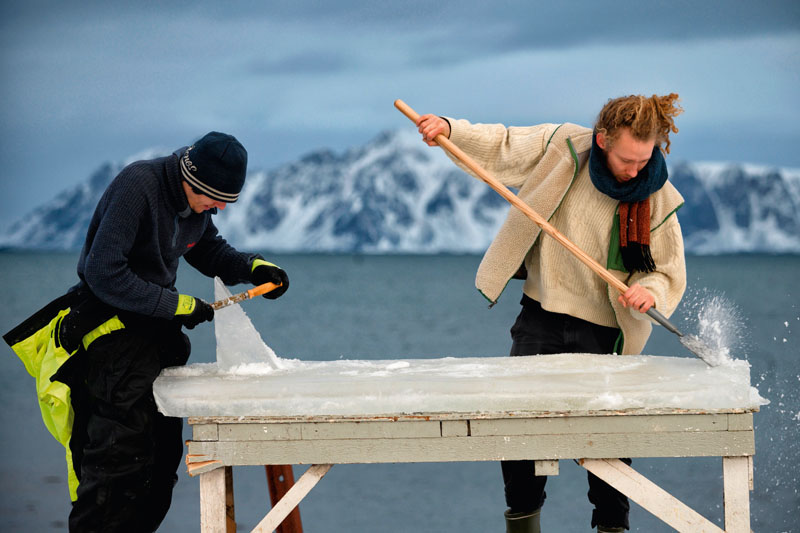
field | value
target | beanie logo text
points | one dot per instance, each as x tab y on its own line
188	162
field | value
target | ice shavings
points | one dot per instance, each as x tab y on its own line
719	327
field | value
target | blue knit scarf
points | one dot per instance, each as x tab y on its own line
634	207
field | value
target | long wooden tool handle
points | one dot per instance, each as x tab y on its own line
252	293
506	193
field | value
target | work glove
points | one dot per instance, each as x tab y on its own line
265	272
191	311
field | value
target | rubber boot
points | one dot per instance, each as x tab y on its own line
604	529
523	522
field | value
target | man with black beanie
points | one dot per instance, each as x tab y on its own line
125	323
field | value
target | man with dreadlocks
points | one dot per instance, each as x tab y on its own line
606	189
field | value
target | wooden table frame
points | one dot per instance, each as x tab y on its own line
593	439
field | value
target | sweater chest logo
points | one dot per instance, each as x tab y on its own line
191	244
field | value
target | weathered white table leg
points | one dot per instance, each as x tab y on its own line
216	501
545	468
292	498
736	486
649	495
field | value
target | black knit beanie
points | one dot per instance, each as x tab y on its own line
215	166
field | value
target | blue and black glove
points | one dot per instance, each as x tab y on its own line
262	271
191	311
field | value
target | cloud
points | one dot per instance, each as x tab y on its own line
302	63
95	80
485	29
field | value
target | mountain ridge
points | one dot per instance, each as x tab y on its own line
396	195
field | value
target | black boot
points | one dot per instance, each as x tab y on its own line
523	522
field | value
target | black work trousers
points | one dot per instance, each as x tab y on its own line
131	452
537	331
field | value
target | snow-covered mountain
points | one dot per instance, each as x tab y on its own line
395	195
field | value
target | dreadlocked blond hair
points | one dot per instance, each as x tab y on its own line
645	118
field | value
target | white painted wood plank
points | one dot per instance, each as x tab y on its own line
446	449
331	430
545	468
480	427
585	424
740	422
455	428
235	432
195	467
736	483
205	432
372	430
292	498
649	495
466	415
212	501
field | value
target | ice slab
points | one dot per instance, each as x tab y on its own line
544	383
249	379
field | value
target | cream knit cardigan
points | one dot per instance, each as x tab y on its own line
547	164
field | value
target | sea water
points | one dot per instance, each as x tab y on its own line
424	307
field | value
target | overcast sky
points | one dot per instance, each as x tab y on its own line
87	82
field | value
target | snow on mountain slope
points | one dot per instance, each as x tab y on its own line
396	195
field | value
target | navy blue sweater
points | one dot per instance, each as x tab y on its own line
140	229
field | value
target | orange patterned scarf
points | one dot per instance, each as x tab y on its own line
634	235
